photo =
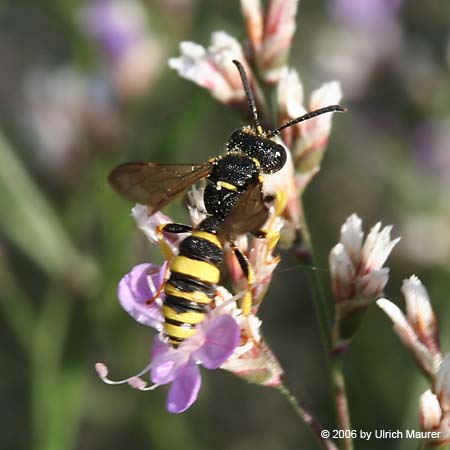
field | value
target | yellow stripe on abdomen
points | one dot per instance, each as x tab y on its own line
194	296
190	317
178	331
210	237
196	269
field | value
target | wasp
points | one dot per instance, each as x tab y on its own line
234	205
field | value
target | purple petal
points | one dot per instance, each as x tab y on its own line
159	348
222	337
165	362
184	389
137	288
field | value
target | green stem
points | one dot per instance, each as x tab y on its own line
334	361
340	399
320	304
310	421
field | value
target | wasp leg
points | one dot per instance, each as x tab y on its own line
272	238
246	303
247	300
260	234
175	228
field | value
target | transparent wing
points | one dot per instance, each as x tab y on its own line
155	185
248	215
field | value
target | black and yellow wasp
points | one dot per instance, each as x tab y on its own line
234	206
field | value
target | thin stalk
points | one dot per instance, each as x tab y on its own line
340	399
334	361
310	421
320	304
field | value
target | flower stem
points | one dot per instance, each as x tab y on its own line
340	399
334	360
320	303
308	419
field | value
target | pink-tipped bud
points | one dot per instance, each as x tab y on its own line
409	338
342	273
352	237
429	411
213	69
102	370
279	29
307	139
254	22
434	412
137	383
356	265
377	247
257	365
442	386
420	314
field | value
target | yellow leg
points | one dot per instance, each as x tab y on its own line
247	300
175	228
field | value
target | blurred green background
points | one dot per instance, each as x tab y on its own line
71	108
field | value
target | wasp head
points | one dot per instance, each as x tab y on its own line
270	155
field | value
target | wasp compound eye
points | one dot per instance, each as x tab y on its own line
271	156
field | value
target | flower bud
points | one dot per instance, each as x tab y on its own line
357	275
279	29
429	410
254	22
213	69
420	313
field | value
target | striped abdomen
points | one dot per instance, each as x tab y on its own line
192	284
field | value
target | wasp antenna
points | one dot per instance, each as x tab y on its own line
307	116
249	94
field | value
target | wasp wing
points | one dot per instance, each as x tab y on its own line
155	185
248	215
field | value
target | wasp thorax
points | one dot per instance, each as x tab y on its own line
270	155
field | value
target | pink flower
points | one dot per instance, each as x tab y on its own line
418	329
434	407
256	364
254	22
357	275
308	139
442	386
149	224
279	29
270	34
420	314
252	359
212	344
356	267
213	69
140	293
430	411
